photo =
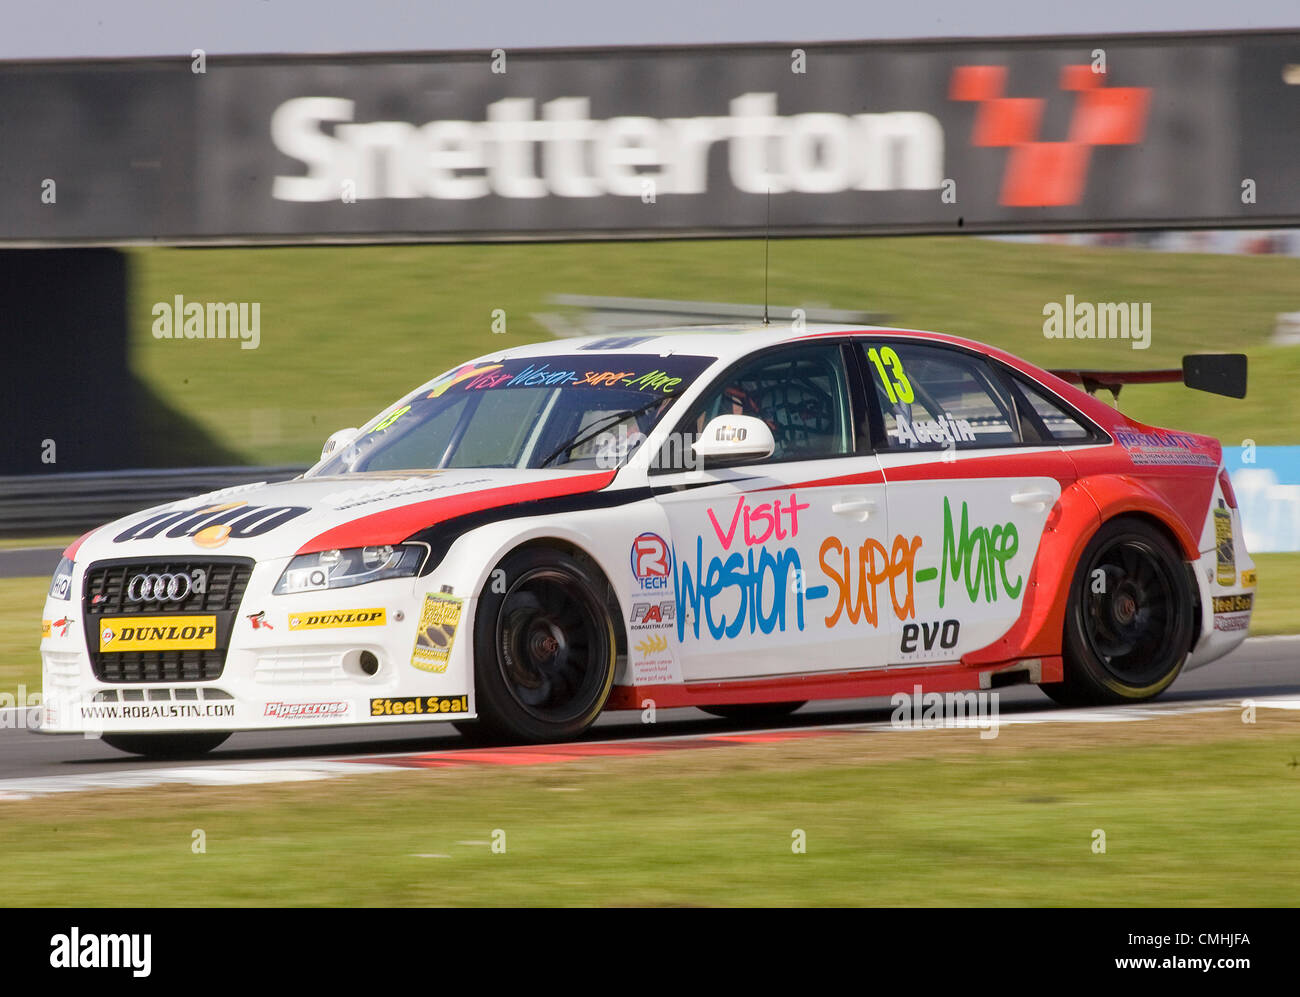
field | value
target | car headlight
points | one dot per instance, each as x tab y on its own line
336	569
61	583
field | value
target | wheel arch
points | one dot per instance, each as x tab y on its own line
1083	508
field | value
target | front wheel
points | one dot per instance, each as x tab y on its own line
164	745
1129	619
544	649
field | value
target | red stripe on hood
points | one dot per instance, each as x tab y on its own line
394	525
71	552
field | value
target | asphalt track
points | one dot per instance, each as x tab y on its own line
1267	666
29	562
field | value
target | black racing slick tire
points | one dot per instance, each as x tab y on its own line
1129	620
164	745
754	712
544	648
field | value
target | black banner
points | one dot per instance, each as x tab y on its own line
1039	134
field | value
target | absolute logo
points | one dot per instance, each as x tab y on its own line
215	320
102	951
306	711
213	525
563	152
341	618
1164	447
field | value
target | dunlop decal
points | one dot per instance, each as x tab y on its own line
328	619
158	633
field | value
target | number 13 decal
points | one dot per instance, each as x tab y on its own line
896	384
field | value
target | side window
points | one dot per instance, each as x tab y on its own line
1057	424
931	398
801	393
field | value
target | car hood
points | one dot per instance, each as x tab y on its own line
304	515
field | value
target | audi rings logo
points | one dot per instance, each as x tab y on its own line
166	587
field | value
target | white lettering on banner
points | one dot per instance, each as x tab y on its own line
815	153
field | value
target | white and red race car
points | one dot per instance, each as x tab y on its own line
740	519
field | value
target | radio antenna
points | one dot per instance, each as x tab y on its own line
767	249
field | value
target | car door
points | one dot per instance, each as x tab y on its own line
768	556
969	487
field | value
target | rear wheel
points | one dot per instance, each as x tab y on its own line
754	712
165	745
1129	619
544	650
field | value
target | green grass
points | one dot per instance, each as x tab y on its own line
344	331
975	823
1277	600
21	600
10	543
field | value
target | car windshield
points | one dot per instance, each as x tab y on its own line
569	411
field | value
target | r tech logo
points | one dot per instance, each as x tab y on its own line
1041	173
652	561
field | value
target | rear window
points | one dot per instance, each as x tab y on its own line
1050	417
932	398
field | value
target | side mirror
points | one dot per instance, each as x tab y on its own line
733	439
337	440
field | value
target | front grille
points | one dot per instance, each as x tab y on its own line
106	586
159	666
105	594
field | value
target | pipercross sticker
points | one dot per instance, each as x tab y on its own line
436	634
341	618
159	633
306	711
213	525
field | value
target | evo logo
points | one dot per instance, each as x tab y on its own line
102	951
925	637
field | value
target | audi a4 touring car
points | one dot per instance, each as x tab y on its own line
740	519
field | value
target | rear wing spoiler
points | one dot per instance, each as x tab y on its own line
1219	373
